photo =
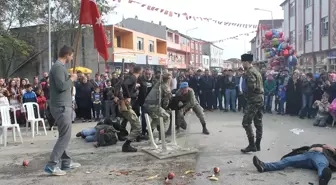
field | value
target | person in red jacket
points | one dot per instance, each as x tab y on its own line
41	101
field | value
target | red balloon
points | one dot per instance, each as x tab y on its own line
286	53
289	47
269	34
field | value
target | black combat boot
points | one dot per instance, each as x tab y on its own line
257	143
251	147
205	130
127	147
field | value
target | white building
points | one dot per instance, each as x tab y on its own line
256	43
205	62
307	24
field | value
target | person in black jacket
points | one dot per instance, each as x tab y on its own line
207	88
308	87
109	101
230	91
320	157
218	98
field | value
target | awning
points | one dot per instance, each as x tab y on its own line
332	55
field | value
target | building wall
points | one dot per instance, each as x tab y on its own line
144	27
216	57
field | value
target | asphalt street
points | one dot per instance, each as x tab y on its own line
221	149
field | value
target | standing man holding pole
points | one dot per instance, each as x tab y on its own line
61	110
255	104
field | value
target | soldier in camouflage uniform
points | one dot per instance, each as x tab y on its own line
254	104
156	109
188	101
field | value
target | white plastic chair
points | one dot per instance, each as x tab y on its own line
6	123
34	122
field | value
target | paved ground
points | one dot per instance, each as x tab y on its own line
221	148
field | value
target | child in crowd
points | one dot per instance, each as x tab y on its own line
282	99
96	100
41	101
29	95
322	112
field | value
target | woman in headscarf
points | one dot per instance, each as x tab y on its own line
293	94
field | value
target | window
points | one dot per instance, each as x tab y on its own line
192	44
118	41
140	45
309	32
177	39
192	57
292	37
292	9
324	26
308	3
151	46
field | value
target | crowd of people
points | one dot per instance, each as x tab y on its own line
298	94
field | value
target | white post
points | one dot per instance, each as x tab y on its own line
149	129
163	135
49	34
173	129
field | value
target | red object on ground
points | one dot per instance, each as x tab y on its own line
216	170
89	14
25	163
171	175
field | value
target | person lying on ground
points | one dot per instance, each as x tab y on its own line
320	157
105	133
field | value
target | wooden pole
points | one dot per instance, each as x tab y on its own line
77	42
74	62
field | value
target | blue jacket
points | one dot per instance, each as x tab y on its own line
29	97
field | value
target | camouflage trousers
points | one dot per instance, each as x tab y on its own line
254	112
198	111
155	113
131	116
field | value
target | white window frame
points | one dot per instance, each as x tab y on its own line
325	26
309	32
140	44
151	46
308	3
292	36
292	9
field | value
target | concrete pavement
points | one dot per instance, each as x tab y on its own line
108	165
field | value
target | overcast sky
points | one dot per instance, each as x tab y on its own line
237	11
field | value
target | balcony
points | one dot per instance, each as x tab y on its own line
161	47
122	38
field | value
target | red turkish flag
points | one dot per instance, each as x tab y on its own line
89	14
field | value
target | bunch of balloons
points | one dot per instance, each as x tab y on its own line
278	51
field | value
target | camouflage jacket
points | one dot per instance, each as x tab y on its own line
152	98
255	86
189	99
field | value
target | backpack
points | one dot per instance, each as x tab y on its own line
106	135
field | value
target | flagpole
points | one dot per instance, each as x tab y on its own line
77	41
49	34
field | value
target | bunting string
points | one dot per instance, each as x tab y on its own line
234	37
188	16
